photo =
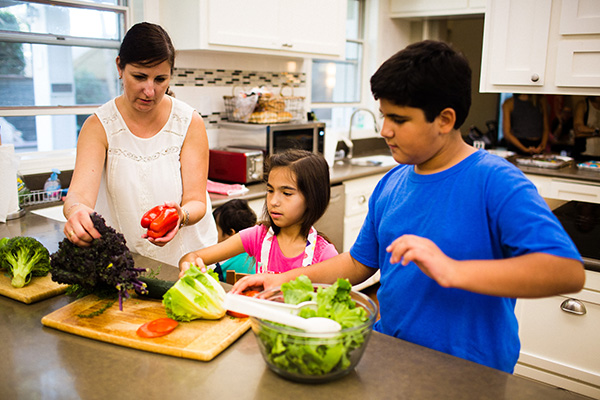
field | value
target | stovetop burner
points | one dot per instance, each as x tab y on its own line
581	220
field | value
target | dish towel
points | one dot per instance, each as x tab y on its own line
225	189
9	200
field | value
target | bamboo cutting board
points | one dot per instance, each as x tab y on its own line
199	340
40	288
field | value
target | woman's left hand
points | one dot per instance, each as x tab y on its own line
161	241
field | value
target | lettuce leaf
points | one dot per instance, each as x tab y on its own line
196	295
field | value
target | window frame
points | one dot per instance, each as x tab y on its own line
30	161
362	41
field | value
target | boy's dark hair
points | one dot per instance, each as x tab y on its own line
147	45
428	75
312	178
234	215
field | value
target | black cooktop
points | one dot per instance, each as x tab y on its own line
581	220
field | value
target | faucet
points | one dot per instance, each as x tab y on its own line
348	140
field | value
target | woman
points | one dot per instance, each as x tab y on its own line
139	150
586	124
525	123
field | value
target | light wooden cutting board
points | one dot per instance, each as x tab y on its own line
199	340
39	288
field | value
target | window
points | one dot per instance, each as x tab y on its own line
336	85
57	65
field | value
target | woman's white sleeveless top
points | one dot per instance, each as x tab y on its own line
142	173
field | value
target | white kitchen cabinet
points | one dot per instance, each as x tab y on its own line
541	46
357	193
300	28
434	8
566	189
558	346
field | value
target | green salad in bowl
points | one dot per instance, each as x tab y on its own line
316	357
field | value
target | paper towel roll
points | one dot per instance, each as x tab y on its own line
9	199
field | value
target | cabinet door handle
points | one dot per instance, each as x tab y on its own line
362	200
535	78
573	306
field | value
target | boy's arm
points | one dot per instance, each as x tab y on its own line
328	271
530	275
213	254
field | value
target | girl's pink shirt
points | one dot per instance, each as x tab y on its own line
253	237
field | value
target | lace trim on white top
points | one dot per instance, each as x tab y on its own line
136	157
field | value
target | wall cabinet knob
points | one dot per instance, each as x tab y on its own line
535	78
573	306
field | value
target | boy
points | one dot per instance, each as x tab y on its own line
231	218
457	233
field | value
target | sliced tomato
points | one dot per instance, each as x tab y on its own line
249	293
158	327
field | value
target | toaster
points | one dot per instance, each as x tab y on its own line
235	165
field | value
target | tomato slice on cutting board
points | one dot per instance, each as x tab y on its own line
158	327
249	293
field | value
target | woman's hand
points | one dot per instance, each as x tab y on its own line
426	255
161	241
79	228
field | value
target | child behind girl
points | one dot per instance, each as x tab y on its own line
298	192
231	218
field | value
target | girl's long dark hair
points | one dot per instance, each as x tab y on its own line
312	177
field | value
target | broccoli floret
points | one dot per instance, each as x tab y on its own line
24	257
105	267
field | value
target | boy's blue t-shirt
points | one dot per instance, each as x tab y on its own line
482	208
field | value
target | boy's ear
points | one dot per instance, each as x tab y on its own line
231	232
446	119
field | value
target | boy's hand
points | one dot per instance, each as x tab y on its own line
428	257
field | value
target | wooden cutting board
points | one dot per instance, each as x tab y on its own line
39	288
199	340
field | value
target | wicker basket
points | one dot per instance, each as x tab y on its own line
269	109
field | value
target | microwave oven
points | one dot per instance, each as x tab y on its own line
273	138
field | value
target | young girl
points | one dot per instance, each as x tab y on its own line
298	193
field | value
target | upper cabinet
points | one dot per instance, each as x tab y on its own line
299	28
435	8
541	46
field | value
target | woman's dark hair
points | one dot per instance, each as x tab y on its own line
147	45
312	177
234	215
428	75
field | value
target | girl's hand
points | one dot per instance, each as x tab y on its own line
258	282
79	228
426	255
186	265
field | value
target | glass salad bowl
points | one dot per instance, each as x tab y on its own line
313	357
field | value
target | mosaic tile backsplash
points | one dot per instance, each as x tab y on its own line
230	78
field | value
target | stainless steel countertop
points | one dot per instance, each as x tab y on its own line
570	171
41	362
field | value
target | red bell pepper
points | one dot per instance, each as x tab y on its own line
151	215
160	220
